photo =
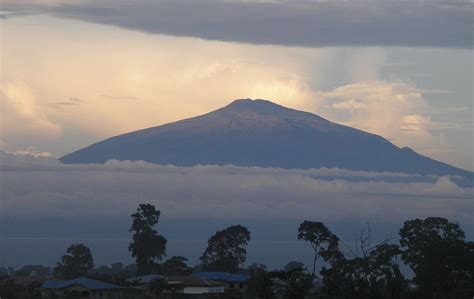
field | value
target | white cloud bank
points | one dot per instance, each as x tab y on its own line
43	187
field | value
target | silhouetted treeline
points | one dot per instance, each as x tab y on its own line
434	248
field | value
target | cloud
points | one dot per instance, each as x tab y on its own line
302	23
395	110
32	151
22	114
43	187
172	82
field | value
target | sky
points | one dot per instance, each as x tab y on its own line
77	72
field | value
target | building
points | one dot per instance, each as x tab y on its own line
194	285
186	284
145	279
82	288
233	281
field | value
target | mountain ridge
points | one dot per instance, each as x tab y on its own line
261	133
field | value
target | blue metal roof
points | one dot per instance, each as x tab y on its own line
223	276
88	283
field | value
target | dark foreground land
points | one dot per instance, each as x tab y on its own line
435	249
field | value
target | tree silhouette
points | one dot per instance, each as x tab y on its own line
320	238
293	282
226	249
77	262
436	251
370	271
260	283
147	245
176	265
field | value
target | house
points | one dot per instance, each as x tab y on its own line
82	288
233	281
193	285
177	284
145	280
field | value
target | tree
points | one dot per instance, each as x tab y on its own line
116	268
34	270
226	249
76	263
320	238
260	283
436	251
176	265
294	265
147	245
372	270
293	281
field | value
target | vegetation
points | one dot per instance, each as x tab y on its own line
147	245
321	239
226	249
434	248
77	262
176	265
442	260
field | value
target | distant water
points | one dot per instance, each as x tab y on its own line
17	252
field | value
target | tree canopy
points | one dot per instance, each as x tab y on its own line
436	250
226	249
176	265
147	246
76	263
320	238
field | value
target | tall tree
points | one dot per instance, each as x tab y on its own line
77	262
320	238
147	245
436	250
226	250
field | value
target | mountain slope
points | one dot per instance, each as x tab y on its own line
261	133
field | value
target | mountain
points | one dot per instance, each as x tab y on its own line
261	133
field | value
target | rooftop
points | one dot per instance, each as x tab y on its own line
145	278
223	276
193	281
88	283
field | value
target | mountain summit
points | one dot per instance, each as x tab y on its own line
261	133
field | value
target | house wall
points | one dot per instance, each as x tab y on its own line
63	293
203	290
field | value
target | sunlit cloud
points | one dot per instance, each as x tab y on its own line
396	111
105	81
22	114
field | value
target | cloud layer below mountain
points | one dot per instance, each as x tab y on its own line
43	187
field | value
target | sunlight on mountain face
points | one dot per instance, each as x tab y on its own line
85	82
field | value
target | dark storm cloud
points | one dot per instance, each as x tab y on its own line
291	23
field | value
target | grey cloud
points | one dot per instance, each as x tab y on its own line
289	23
71	101
43	186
